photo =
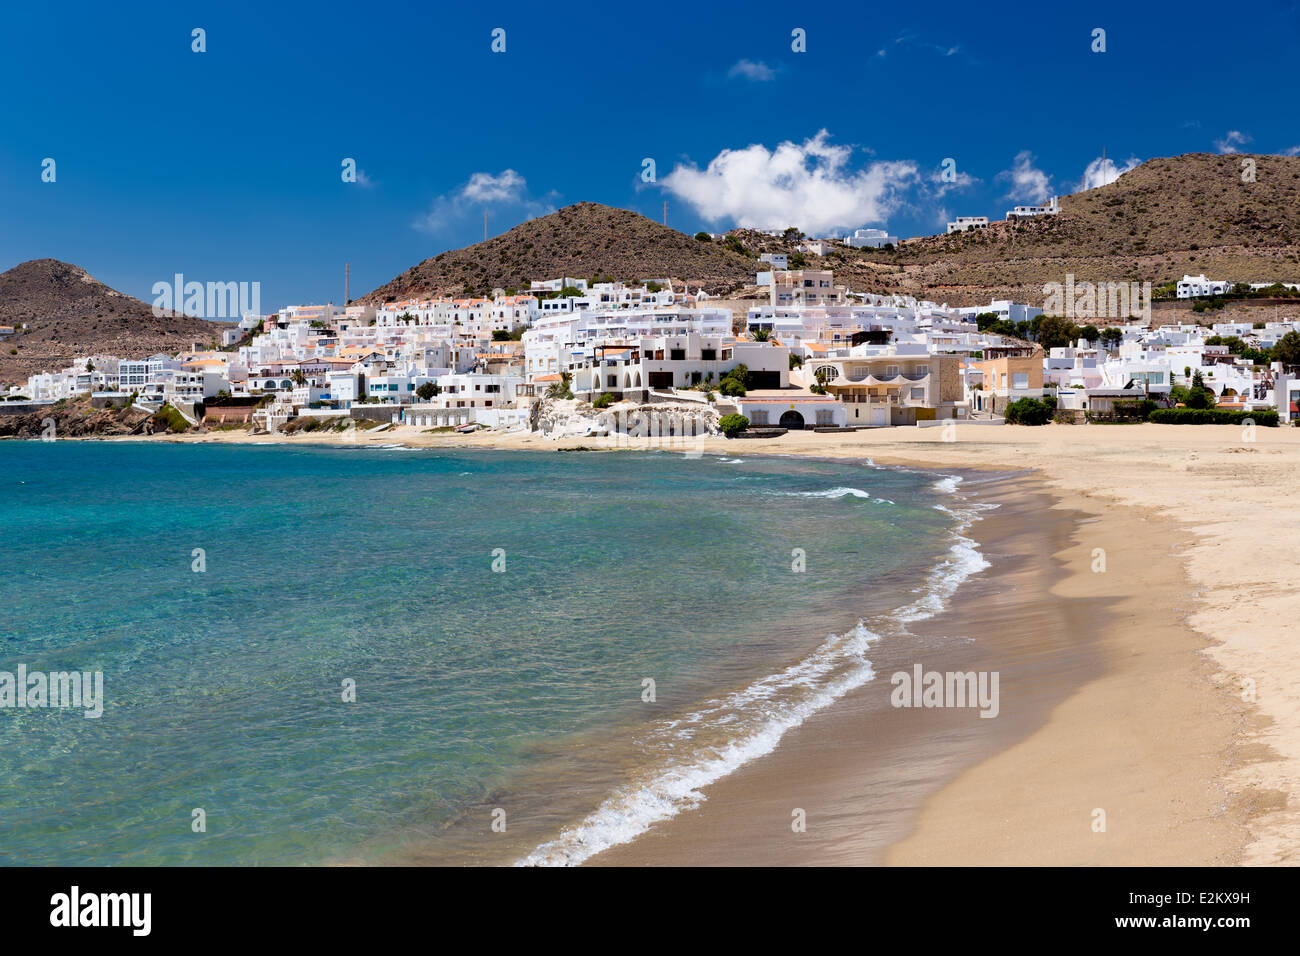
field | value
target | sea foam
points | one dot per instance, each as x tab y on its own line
784	700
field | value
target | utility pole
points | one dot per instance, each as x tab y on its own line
665	212
347	279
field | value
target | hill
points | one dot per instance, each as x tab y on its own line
585	240
1185	214
69	313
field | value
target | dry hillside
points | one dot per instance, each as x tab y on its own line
69	313
1185	214
584	241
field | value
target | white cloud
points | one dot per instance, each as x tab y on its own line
911	41
1102	172
940	188
1291	151
1027	181
364	180
807	185
484	187
506	193
1231	141
748	69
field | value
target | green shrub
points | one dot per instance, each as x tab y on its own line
170	419
1134	408
1211	416
604	400
733	425
1028	411
731	388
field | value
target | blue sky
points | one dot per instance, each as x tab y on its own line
226	165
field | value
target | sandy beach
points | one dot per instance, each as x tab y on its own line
1160	694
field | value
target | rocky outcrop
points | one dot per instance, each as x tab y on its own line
561	418
74	420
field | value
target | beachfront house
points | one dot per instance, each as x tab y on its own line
1004	376
796	410
896	386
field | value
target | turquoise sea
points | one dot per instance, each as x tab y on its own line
515	696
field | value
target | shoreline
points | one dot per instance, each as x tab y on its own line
1187	770
862	769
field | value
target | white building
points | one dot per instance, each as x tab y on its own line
1191	287
134	374
550	345
817	247
871	239
796	411
963	223
477	390
663	363
1050	208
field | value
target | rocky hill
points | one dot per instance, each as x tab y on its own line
584	241
1168	217
68	312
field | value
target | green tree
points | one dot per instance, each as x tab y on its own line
1056	332
1287	349
427	390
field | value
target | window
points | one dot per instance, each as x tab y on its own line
922	370
677	355
918	394
708	355
1020	380
824	416
760	416
891	371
